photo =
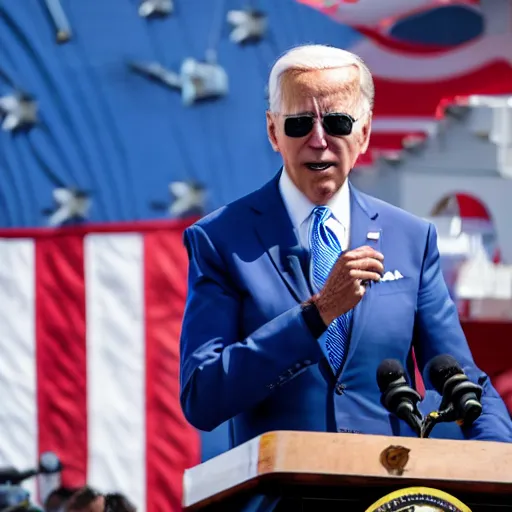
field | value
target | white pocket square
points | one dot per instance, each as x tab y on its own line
392	276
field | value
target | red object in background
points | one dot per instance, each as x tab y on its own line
490	343
492	351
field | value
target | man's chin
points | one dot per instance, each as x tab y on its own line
322	194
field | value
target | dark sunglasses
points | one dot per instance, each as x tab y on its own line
336	124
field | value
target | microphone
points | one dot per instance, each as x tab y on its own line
461	397
397	396
13	476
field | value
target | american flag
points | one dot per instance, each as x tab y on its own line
89	325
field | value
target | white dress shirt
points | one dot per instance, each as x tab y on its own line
300	208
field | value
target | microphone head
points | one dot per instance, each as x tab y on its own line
443	367
390	370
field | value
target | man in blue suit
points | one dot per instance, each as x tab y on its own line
298	291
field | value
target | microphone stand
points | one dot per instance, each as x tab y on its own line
429	423
454	388
445	415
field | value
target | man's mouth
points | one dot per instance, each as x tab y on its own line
319	166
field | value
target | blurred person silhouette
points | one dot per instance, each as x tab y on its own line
117	502
86	499
58	498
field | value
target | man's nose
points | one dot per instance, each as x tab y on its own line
317	138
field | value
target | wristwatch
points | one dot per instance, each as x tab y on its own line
313	319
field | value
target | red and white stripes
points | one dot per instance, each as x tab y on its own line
89	328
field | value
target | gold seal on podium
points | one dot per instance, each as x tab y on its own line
418	499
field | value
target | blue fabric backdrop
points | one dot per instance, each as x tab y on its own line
122	137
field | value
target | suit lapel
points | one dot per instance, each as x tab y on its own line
363	220
275	231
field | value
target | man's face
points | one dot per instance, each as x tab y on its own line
319	163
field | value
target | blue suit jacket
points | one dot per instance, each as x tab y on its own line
247	356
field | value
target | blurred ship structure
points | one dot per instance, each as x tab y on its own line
460	179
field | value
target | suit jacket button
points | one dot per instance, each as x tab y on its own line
340	388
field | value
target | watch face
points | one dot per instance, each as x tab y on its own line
418	499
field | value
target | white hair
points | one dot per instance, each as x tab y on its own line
313	57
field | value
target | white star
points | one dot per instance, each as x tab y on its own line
188	199
249	25
71	204
19	111
202	80
156	8
196	80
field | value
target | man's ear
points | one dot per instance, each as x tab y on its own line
365	134
271	131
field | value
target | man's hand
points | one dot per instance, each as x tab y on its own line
343	289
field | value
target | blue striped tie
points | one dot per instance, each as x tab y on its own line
325	250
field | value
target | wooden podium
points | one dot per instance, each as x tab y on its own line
310	471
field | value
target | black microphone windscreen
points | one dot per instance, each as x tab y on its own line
389	371
441	369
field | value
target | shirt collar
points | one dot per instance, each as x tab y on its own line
300	207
